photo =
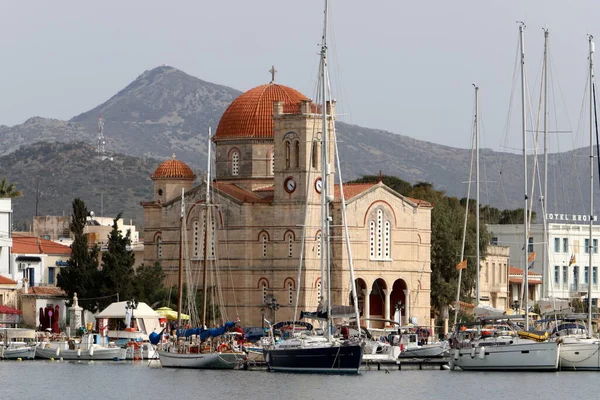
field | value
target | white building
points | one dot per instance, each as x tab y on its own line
5	235
566	274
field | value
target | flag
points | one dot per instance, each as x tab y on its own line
462	265
531	260
572	260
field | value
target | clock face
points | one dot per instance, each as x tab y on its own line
289	185
319	185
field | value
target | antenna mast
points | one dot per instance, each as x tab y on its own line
100	150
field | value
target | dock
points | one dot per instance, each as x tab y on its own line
402	363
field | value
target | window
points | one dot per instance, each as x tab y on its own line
576	276
196	239
595	276
289	238
380	236
235	163
315	154
159	248
263	241
494	241
586	276
595	245
557	274
487	272
297	153
50	275
272	166
264	286
288	155
319	244
565	245
530	245
586	245
565	275
290	293
319	291
556	245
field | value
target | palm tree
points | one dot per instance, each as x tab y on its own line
8	189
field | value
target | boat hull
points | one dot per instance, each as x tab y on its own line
115	353
200	360
580	356
23	353
331	359
531	356
425	351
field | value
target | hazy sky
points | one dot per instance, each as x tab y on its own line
402	66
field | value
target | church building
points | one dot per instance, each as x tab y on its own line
265	198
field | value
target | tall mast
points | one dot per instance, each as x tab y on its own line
545	195
526	202
325	173
591	215
180	277
477	255
206	229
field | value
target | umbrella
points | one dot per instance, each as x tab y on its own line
171	314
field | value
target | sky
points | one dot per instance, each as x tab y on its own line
402	66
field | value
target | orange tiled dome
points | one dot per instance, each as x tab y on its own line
251	114
173	169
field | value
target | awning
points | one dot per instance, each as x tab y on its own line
28	258
9	310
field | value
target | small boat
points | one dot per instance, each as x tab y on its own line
17	343
92	346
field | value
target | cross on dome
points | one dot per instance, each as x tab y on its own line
273	71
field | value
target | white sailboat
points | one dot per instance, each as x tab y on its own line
579	350
494	343
199	347
312	353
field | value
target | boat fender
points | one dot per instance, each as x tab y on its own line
57	351
473	352
78	352
481	352
456	354
91	351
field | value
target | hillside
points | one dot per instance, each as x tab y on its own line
166	111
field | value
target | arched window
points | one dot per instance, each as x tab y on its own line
263	241
318	244
319	290
196	239
263	284
315	153
289	238
290	288
288	154
272	162
159	249
235	163
379	235
297	153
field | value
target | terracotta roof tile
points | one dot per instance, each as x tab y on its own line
251	114
173	169
47	291
6	281
352	190
421	203
35	245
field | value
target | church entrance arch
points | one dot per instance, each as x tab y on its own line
377	299
399	307
361	287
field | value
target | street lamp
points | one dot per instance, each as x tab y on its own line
262	320
129	307
273	306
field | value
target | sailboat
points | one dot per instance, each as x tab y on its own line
199	347
493	343
316	353
579	351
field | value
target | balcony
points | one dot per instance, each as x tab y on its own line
578	289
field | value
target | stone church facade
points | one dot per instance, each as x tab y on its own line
265	197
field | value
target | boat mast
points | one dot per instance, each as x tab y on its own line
206	228
180	277
326	197
591	214
545	195
526	202
477	255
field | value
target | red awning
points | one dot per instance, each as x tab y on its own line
8	310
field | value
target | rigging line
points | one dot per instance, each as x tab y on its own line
596	127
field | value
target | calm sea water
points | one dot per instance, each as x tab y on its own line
50	380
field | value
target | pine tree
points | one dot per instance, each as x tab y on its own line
117	266
81	274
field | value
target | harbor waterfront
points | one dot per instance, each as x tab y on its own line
127	380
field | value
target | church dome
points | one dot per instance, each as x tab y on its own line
173	168
251	114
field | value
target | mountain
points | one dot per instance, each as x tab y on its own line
166	111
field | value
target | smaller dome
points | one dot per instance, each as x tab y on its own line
173	169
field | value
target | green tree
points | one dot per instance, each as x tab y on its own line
148	284
8	189
81	273
117	266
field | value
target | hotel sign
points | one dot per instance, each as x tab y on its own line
570	217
